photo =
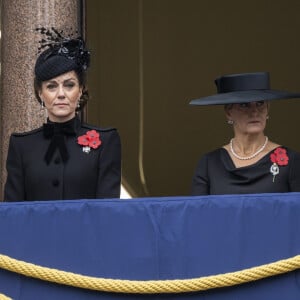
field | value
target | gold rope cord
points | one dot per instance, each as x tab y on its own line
3	297
150	286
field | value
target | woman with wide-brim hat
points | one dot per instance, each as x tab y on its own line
250	162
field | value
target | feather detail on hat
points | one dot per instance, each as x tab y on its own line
63	53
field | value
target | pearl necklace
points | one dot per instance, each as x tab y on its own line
251	156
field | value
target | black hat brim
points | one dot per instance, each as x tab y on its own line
244	97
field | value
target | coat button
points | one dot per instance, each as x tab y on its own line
55	182
57	160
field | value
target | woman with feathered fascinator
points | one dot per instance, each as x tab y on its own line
65	158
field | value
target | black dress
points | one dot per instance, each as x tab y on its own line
70	173
216	174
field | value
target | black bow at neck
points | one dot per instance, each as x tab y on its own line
57	132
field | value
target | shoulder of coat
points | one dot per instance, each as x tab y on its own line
26	133
101	129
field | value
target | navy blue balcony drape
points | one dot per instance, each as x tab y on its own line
153	238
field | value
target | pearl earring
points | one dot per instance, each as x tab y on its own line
230	122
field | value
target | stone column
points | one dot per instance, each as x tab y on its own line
20	111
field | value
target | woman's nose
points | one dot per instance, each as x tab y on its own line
61	92
253	107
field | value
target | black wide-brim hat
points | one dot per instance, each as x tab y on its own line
244	88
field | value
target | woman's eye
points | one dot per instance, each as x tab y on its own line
260	103
51	86
70	85
244	105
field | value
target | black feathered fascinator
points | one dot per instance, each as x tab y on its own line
59	54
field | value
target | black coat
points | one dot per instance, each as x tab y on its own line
92	175
216	174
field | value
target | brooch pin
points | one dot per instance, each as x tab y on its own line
278	158
89	140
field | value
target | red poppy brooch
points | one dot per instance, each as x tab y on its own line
278	158
89	140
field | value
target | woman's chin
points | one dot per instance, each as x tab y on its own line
62	115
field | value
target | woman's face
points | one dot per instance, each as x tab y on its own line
61	96
248	118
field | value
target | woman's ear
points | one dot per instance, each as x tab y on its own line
80	91
227	110
40	93
228	114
